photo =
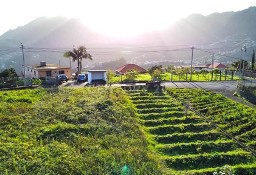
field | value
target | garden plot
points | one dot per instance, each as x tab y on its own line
188	143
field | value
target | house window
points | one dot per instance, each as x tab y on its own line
61	72
34	73
31	70
28	69
48	73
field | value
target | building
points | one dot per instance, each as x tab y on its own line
199	68
97	76
129	67
44	70
217	66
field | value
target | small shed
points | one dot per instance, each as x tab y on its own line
97	76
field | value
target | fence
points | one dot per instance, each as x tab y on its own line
221	75
247	89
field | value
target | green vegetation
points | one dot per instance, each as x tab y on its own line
146	77
188	143
232	117
102	131
78	55
72	131
10	79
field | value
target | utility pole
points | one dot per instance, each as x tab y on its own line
212	60
244	58
212	65
240	64
192	48
23	58
242	61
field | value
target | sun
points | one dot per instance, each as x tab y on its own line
124	19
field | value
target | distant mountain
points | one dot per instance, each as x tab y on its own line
50	32
215	27
227	32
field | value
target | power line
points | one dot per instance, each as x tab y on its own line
210	52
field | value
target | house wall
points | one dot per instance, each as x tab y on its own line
54	73
33	72
30	72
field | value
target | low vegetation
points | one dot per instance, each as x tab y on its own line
103	131
190	144
146	77
72	131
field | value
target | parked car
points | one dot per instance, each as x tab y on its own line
61	77
81	78
98	82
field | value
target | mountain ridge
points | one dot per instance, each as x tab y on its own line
219	29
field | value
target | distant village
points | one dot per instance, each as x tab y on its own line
47	70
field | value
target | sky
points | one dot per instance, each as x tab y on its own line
114	17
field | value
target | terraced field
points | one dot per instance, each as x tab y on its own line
188	143
236	119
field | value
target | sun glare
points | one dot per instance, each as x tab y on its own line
126	19
122	18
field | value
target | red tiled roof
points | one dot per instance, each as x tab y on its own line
128	67
218	66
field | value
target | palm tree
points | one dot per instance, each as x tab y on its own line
77	55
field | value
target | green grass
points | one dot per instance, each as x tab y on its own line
196	77
72	131
188	143
146	77
235	118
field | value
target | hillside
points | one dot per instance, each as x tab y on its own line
224	33
102	130
217	133
72	131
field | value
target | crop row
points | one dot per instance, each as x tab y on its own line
197	147
237	119
173	120
188	143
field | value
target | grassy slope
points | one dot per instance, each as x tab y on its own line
71	131
188	143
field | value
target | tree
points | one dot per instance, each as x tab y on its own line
170	68
9	73
131	75
110	76
204	73
78	55
253	59
244	64
156	74
236	64
152	69
155	71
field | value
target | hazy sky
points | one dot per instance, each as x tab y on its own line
114	17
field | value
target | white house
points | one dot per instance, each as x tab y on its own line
97	75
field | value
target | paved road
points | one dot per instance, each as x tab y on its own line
73	84
213	85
